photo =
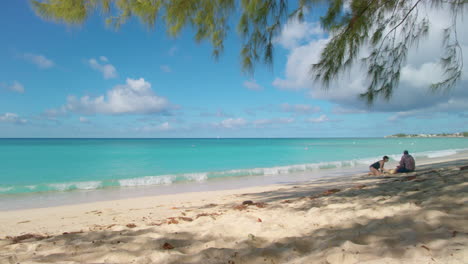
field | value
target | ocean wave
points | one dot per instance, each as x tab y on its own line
147	180
204	176
87	185
439	153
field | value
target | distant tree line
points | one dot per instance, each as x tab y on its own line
461	134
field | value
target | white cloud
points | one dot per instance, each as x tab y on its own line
338	110
134	97
39	60
299	108
272	121
423	76
232	123
165	68
295	32
172	51
103	58
12	118
218	113
53	113
84	119
156	128
14	87
253	85
320	119
413	93
108	70
456	105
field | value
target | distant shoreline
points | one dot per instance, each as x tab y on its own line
443	135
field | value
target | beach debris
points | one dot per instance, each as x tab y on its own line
188	219
408	178
454	233
426	248
331	191
174	208
248	203
172	220
23	222
261	205
286	201
131	225
72	233
167	246
464	168
212	215
259	220
211	205
251	237
361	186
240	207
20	238
97	212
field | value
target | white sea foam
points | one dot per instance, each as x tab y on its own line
5	189
199	177
148	180
438	153
89	185
60	186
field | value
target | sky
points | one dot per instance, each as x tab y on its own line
91	81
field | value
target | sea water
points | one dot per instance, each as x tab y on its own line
29	166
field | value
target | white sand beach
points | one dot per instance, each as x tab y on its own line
419	217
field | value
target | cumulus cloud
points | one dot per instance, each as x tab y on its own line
12	118
421	70
133	97
108	70
253	85
39	60
299	109
320	119
14	87
452	106
295	33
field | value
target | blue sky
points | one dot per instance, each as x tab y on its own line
90	81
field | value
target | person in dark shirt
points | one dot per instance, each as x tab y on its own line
377	168
407	163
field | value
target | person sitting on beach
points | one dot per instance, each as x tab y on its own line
377	168
407	163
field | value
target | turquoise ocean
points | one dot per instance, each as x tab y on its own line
29	166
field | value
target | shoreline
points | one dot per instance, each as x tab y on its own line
25	201
411	218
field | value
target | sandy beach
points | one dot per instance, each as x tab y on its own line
418	217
